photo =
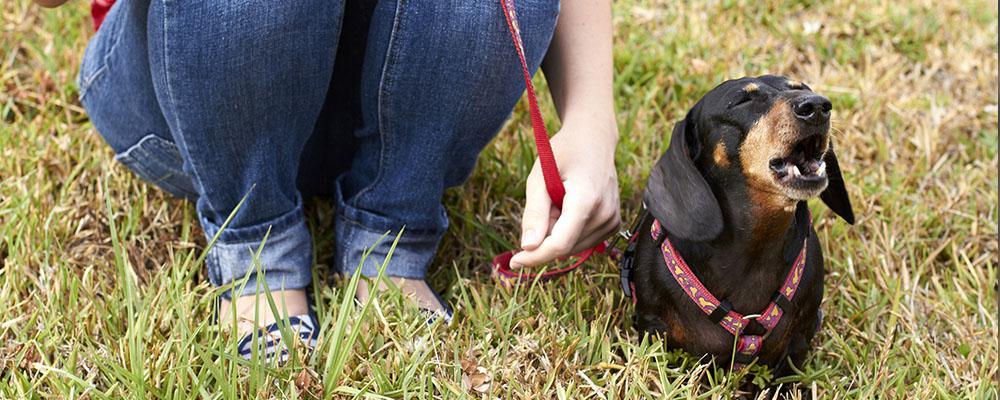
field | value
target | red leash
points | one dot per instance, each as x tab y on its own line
553	181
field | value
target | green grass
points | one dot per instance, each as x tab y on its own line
103	295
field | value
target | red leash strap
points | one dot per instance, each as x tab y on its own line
553	181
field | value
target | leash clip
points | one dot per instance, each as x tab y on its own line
625	270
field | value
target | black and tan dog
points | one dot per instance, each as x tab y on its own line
730	194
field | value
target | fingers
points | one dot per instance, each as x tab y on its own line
605	219
598	233
565	234
537	212
589	213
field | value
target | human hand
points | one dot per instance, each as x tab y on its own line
584	151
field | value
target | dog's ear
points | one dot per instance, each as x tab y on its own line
835	195
676	192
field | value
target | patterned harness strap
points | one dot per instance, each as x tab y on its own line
721	312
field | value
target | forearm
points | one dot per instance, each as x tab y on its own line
578	68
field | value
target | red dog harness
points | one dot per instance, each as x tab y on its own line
721	312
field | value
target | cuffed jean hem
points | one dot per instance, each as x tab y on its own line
360	232
285	260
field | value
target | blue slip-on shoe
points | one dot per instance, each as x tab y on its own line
446	315
269	341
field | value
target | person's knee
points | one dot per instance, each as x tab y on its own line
536	21
251	28
262	62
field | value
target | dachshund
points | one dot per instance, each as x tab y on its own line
726	261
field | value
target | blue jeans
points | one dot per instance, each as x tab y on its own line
271	100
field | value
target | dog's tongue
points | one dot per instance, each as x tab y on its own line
814	168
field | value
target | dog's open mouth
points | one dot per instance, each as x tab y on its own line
803	168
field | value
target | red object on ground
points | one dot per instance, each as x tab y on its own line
99	9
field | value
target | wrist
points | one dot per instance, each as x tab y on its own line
597	127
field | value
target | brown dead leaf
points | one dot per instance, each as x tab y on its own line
474	377
468	365
482	379
308	382
30	358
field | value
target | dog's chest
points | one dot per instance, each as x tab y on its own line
747	281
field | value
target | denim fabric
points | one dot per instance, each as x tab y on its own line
214	102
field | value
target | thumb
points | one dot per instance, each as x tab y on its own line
537	210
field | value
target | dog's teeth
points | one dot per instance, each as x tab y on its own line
794	170
821	168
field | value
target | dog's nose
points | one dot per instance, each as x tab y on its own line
813	108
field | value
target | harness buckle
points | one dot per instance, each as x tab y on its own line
627	262
784	303
721	311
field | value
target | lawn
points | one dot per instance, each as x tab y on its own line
102	293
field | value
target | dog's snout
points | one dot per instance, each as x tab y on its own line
813	108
